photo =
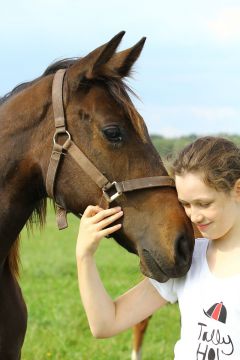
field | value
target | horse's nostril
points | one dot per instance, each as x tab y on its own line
182	250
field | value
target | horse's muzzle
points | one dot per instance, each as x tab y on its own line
160	268
151	268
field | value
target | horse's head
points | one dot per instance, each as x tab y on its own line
105	125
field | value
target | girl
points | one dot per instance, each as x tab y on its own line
207	176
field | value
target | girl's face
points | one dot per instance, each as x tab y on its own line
215	213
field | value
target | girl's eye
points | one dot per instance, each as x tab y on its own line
184	204
113	133
204	205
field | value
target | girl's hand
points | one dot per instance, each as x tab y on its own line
94	226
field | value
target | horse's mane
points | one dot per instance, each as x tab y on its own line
51	69
119	90
38	217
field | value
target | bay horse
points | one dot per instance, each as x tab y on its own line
96	121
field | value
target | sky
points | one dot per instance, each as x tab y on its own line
187	77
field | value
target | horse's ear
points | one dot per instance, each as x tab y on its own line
89	66
123	61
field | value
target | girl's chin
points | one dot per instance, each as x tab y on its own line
210	236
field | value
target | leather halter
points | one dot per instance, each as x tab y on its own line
110	190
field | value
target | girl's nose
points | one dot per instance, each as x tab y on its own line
196	217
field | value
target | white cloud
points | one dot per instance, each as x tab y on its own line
226	26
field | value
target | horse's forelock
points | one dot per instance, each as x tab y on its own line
120	92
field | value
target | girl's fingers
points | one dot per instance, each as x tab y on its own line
105	214
92	210
109	230
109	220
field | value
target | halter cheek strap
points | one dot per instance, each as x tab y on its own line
110	190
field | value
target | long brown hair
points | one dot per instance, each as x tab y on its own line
216	158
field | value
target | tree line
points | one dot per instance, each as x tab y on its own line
171	146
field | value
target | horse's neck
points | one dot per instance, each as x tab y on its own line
23	144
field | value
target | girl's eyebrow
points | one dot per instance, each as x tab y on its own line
195	200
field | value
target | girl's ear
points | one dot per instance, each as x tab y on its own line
237	189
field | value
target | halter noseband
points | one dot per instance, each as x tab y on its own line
110	190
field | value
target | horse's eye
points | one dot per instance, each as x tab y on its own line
112	133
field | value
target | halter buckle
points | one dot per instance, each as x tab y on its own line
112	191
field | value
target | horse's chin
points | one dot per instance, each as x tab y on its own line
154	272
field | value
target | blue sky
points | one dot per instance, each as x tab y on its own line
188	76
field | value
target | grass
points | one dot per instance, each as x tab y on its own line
57	326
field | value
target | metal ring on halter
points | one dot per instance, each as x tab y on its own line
61	132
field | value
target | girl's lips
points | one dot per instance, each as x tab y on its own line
202	226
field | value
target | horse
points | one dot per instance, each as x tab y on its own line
74	135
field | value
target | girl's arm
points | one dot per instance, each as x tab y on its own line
105	316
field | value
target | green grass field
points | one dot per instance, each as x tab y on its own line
57	325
